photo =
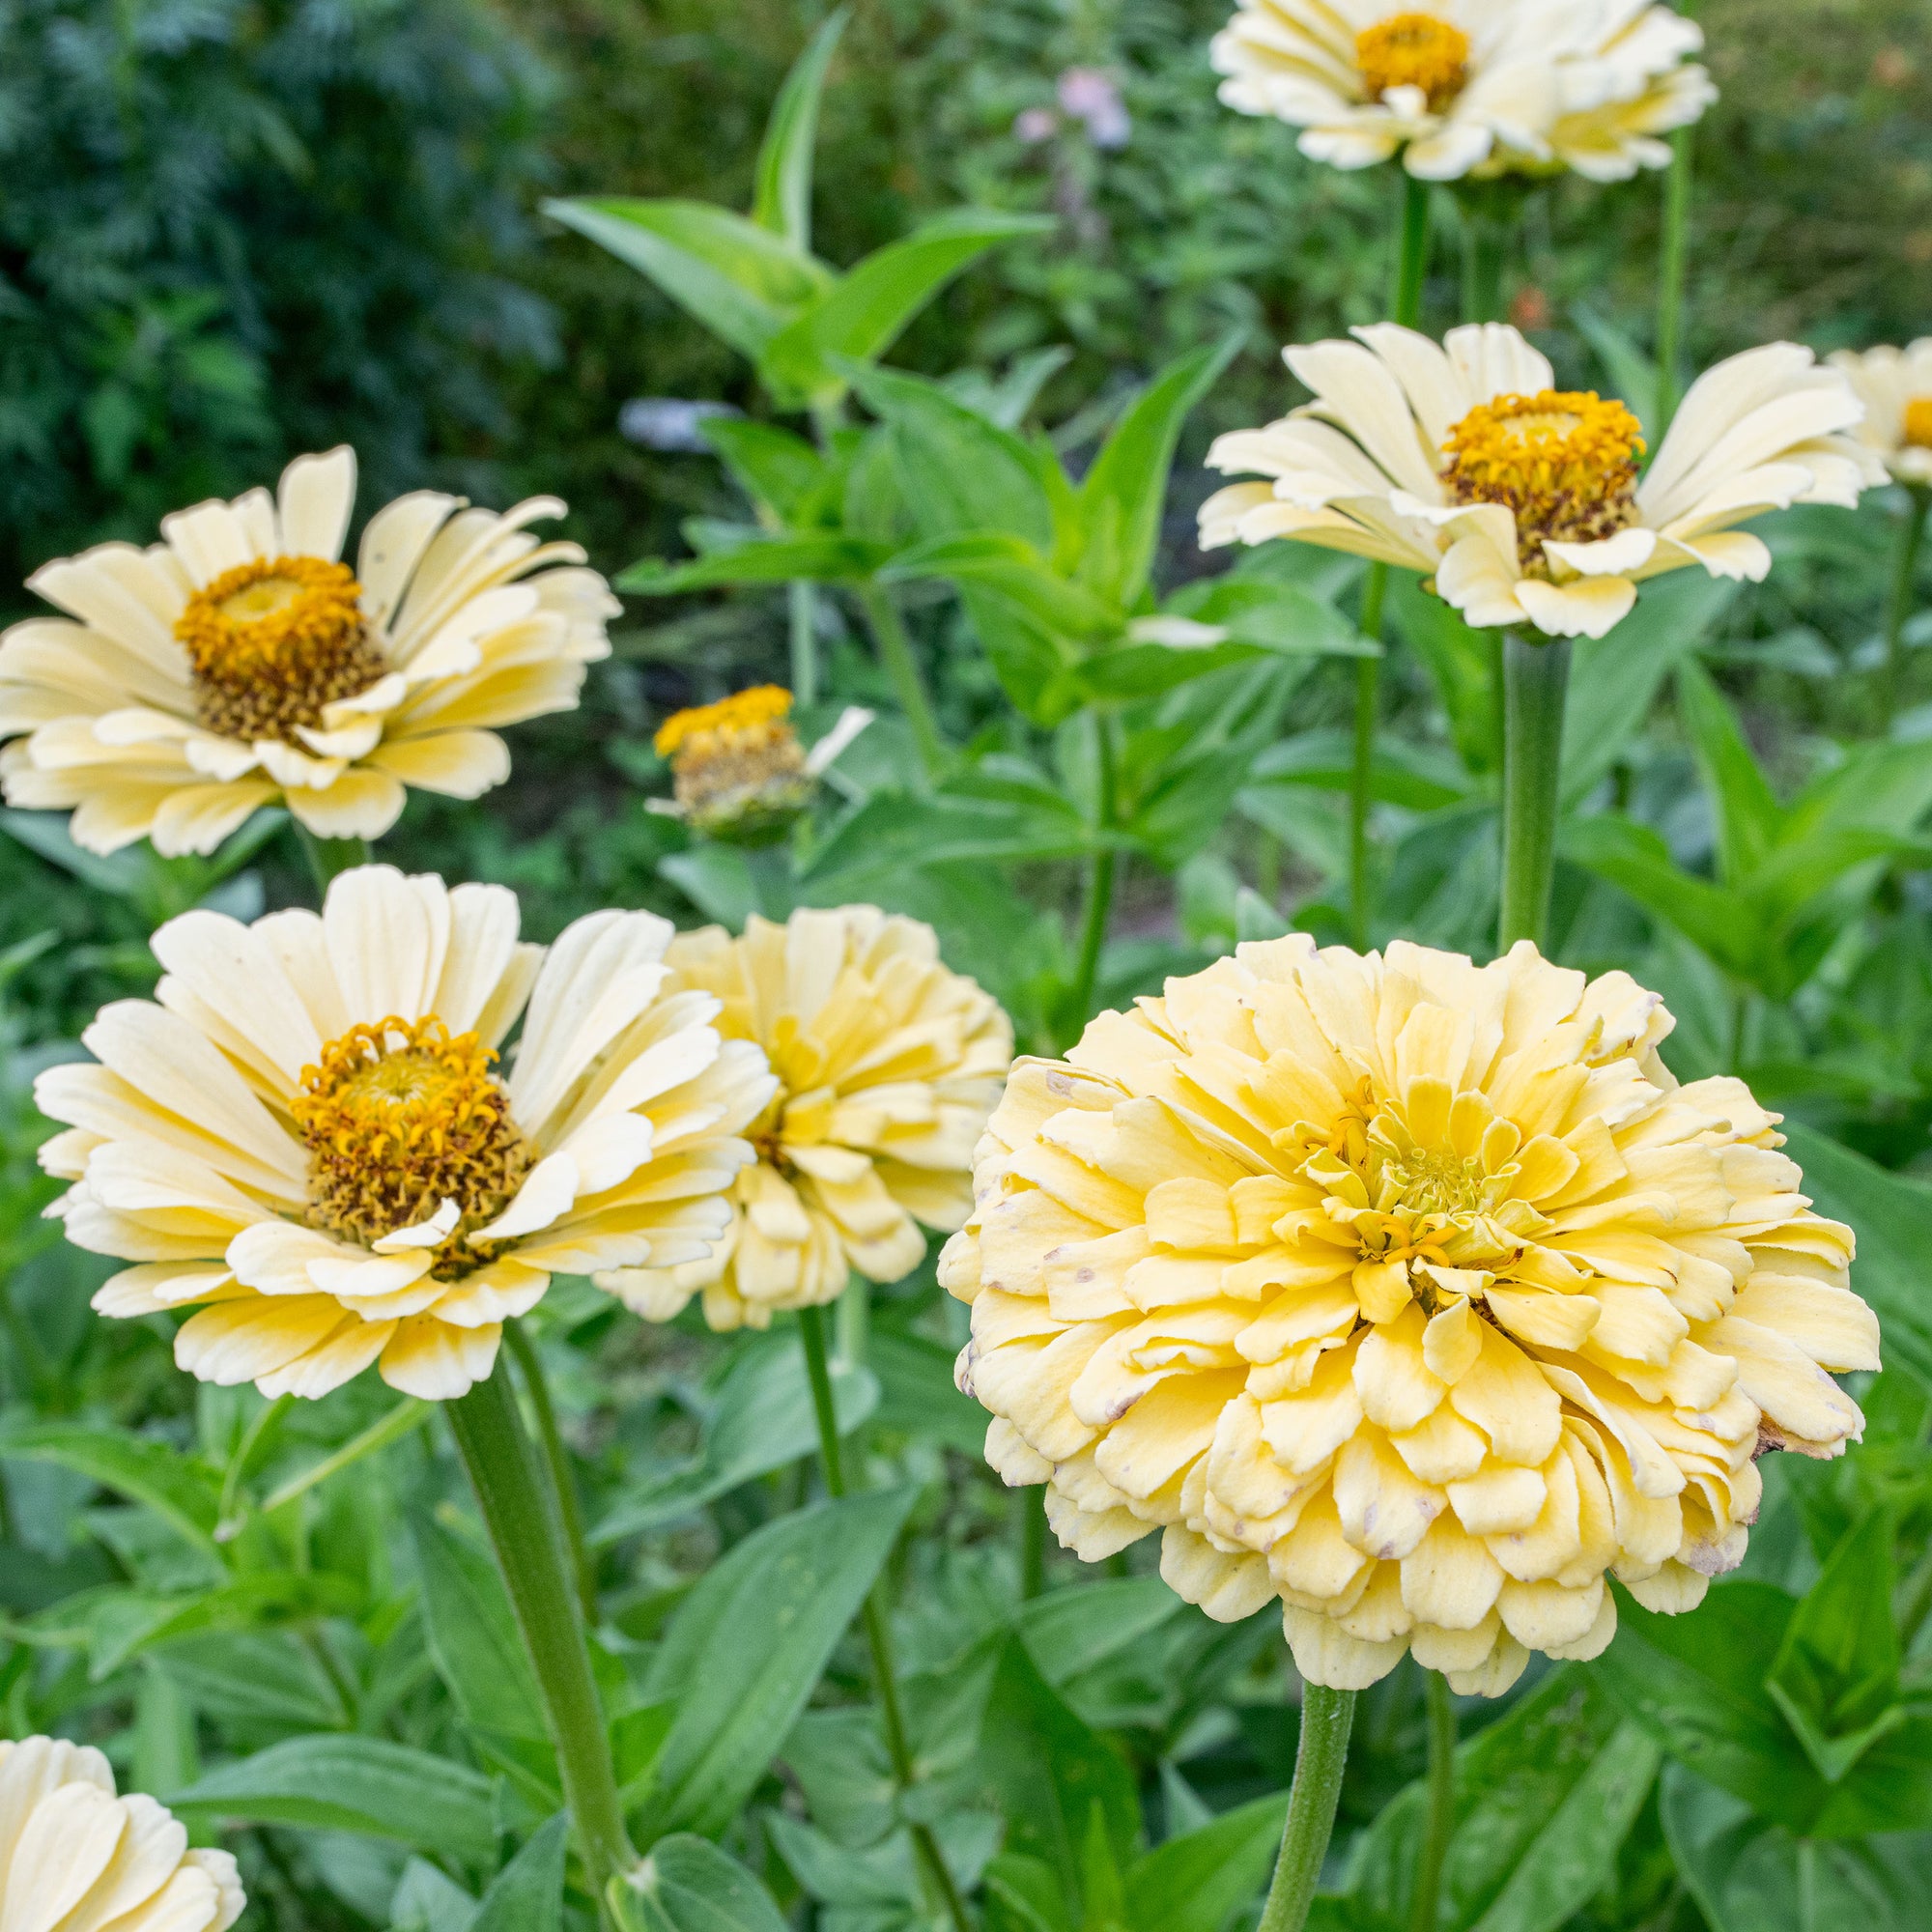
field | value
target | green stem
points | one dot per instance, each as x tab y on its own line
855	1321
1899	606
1807	1885
1320	1759
1031	1505
328	857
563	1483
1441	1817
1673	254
1412	252
895	653
1100	869
407	1414
267	1423
804	646
878	1635
1485	242
522	1529
1535	677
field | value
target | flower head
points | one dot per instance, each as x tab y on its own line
1468	87
309	1136
1895	387
75	1856
1415	1294
887	1064
240	661
1526	502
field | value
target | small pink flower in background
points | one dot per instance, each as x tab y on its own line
1091	95
1034	125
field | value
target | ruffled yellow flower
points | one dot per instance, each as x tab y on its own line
74	1858
1417	1293
308	1139
887	1066
241	662
1468	87
1895	387
1526	503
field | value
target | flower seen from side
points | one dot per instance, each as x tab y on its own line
1417	1294
888	1065
308	1137
1895	387
1475	88
75	1857
241	662
1526	505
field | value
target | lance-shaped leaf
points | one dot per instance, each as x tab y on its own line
182	1488
1012	570
782	198
688	1885
824	559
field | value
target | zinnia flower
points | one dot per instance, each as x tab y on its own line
1417	1293
1468	87
241	662
307	1139
1895	387
74	1858
1523	501
887	1066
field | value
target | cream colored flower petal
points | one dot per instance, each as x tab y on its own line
67	1843
339	1358
480	958
208	540
457	764
1482	582
494	1294
1325	1653
426	1234
1621	556
435	1362
393	543
1493	359
236	1342
387	936
154	1287
316	496
1358	390
1592	606
546	1195
360	803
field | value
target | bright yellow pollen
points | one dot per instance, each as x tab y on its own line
743	711
1563	461
1918	423
398	1118
739	771
1414	50
273	644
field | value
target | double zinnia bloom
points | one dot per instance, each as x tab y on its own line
1414	1293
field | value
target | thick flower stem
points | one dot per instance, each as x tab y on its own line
804	644
1899	606
522	1529
327	856
1030	1507
895	653
563	1484
1441	1816
1536	678
878	1635
1326	1718
1099	897
1673	253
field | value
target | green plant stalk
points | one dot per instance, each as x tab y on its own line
878	1635
229	1517
328	857
1898	605
407	1414
1099	897
1536	679
1320	1759
1672	256
1030	1505
563	1483
1441	1816
1485	243
895	653
804	646
530	1552
855	1321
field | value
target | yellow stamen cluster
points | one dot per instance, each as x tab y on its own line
1918	423
272	643
738	770
1563	461
399	1117
1413	50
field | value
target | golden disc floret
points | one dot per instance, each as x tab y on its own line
400	1117
763	704
1917	430
737	768
1414	50
272	643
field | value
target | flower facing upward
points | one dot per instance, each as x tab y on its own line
240	661
74	1858
1468	87
1525	502
887	1066
310	1139
1895	387
1415	1294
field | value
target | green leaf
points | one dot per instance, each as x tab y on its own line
782	198
182	1488
367	1785
1636	860
1420	778
823	559
1748	816
741	281
688	1885
1012	570
1197	1882
426	1901
918	1395
773	466
1071	1629
891	833
861	315
473	1634
527	1894
745	1649
1464	662
1123	496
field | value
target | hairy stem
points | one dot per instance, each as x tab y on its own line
1441	1816
1326	1718
1536	678
563	1483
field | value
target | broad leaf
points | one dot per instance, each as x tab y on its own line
782	198
1068	1630
1748	817
1197	1882
473	1634
527	1894
688	1885
774	467
823	559
1009	568
182	1488
1464	662
1636	860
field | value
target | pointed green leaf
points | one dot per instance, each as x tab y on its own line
182	1488
1636	860
472	1634
774	467
1749	817
527	1894
688	1885
1009	568
783	199
1464	661
823	559
1197	1882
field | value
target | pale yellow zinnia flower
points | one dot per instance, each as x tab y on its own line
1417	1294
307	1139
1527	504
888	1065
76	1857
1895	387
241	662
1468	87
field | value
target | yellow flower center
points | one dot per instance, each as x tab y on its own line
398	1118
1918	423
1413	50
737	767
271	644
1563	461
